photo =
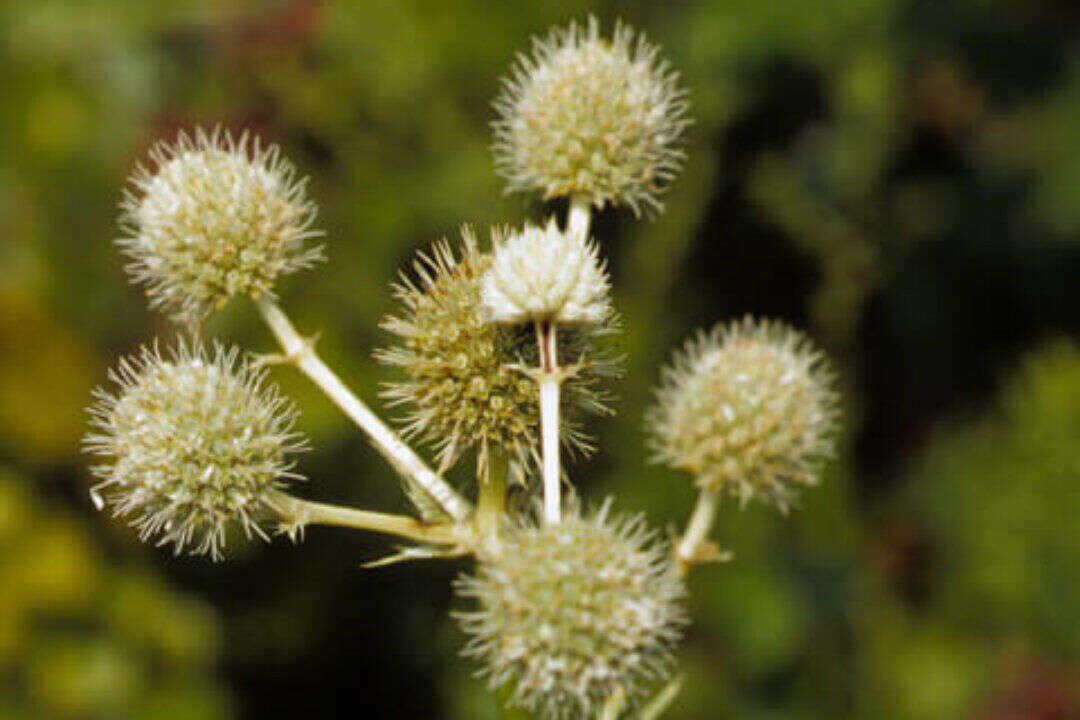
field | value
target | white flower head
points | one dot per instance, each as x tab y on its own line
195	442
546	274
749	408
593	117
570	613
215	217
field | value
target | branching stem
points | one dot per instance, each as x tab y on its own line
404	460
297	513
579	215
697	531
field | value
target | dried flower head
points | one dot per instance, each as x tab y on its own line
196	441
544	273
570	613
592	117
749	408
462	388
214	217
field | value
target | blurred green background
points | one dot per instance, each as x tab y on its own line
900	177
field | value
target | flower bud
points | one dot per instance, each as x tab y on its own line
591	117
196	442
570	613
749	408
543	273
214	218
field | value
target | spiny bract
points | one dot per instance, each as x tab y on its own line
214	218
463	387
572	612
749	408
196	442
591	117
546	274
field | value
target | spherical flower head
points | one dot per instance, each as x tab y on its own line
196	442
749	409
461	388
546	274
214	217
593	117
570	613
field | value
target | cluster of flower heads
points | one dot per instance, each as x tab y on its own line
749	409
195	441
569	614
593	117
215	217
463	386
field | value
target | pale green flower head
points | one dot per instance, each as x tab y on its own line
462	387
588	116
546	274
749	409
194	442
215	217
570	613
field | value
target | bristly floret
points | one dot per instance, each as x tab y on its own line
543	273
212	218
196	441
749	408
570	613
591	117
463	388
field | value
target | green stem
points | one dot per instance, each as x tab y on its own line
697	530
491	504
298	513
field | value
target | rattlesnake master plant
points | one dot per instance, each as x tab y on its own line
591	116
196	441
215	217
500	350
570	613
749	409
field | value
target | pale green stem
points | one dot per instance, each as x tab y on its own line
697	531
549	378
401	457
579	215
297	513
491	503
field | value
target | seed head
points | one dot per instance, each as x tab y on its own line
543	273
461	386
214	217
569	613
196	441
749	408
592	117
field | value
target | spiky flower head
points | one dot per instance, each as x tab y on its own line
593	117
461	388
749	408
214	217
195	442
544	273
567	614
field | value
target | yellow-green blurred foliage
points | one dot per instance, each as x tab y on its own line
80	638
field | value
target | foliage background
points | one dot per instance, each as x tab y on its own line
898	176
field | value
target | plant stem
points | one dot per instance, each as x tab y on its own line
548	378
401	457
697	531
579	214
491	504
300	512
